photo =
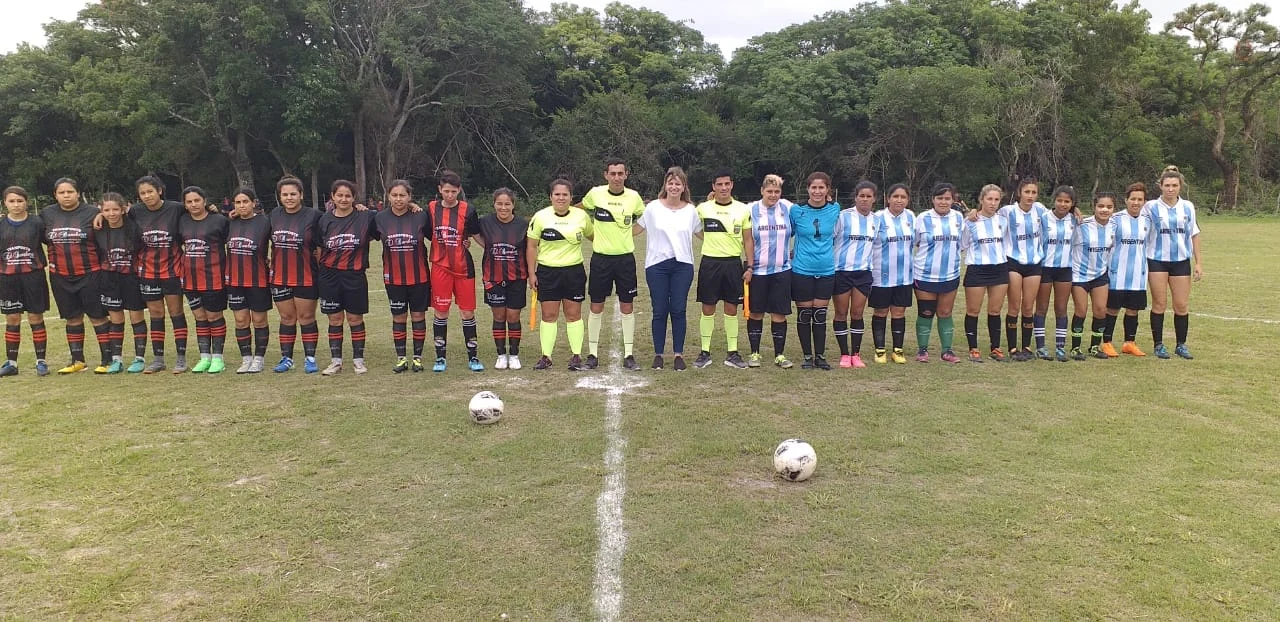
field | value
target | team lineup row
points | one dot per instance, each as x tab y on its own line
113	261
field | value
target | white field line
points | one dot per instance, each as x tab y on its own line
1235	319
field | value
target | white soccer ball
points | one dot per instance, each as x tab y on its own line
795	460
486	408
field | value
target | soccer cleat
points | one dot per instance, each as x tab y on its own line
856	361
74	367
257	365
284	365
820	362
1077	355
922	356
1161	351
735	361
1097	353
629	363
416	365
592	362
500	362
101	370
156	366
782	361
439	365
1132	349
180	365
115	367
137	366
42	368
8	369
678	364
202	366
949	356
881	356
245	364
1109	350
513	361
846	361
575	363
402	365
309	365
899	357
216	366
703	361
543	363
475	364
657	362
358	366
997	355
1024	356
1060	355
1043	354
975	356
806	362
333	368
1182	351
754	360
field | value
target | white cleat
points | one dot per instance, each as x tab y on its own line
501	363
359	366
245	366
333	369
513	361
257	365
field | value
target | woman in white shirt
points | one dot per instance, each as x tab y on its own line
671	221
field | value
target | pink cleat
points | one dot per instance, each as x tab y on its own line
856	361
845	361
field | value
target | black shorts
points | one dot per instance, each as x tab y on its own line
847	280
885	297
213	301
24	293
343	290
281	293
156	289
409	298
1173	268
608	271
938	287
810	288
562	283
720	279
771	293
1028	269
256	299
77	296
1055	275
507	294
986	275
1102	281
120	291
1135	299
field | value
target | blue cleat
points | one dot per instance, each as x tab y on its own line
284	365
309	365
1182	351
476	365
1161	351
42	368
439	365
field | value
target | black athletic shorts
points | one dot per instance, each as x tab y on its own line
847	280
156	289
343	290
771	293
720	279
562	283
507	294
409	298
608	271
1102	281
810	288
885	297
938	287
1055	275
1173	268
1135	299
24	293
1027	269
213	301
120	291
77	296
256	299
281	293
986	275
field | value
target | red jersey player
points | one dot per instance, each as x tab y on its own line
453	271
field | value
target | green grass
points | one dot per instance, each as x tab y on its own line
1128	489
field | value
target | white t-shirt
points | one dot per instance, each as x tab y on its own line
669	233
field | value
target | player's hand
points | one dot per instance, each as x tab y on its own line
1197	273
746	276
360	207
466	243
415	208
971	215
533	282
98	221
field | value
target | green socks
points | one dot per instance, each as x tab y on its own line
946	332
706	326
547	333
575	331
731	332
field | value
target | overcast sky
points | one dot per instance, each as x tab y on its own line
728	23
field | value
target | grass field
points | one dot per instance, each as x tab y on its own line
1126	489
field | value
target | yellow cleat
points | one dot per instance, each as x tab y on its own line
102	370
899	357
881	357
74	368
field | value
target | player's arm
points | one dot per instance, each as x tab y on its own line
531	259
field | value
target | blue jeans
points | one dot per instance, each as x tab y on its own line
669	284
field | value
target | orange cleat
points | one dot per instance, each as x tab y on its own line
1132	348
1108	350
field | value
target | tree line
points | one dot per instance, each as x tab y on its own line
236	93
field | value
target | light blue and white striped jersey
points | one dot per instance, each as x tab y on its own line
855	239
983	241
1091	250
1172	228
938	246
814	228
771	232
1024	233
1058	234
891	254
1128	269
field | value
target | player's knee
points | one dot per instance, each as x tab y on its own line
928	308
820	315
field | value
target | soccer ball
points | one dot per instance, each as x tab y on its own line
486	408
795	460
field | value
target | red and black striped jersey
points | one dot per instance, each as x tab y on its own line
247	242
69	235
404	249
293	245
504	249
203	252
344	240
118	247
21	243
449	227
158	258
